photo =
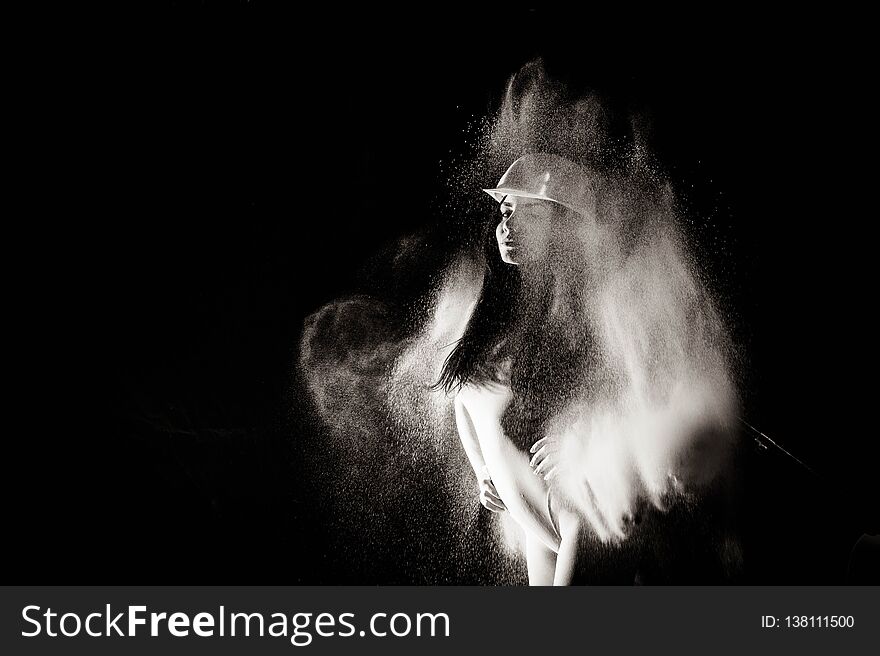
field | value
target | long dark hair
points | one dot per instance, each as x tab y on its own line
475	357
547	357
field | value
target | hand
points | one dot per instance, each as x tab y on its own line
544	461
489	496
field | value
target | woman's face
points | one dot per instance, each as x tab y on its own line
524	232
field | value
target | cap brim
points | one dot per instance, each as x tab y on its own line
499	194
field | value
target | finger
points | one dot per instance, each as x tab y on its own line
537	445
494	497
494	507
490	491
550	474
542	467
540	456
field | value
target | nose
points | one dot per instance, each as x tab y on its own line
505	227
502	231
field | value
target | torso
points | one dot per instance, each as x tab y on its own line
523	492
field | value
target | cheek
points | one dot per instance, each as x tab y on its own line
540	235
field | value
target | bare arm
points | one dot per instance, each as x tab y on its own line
468	436
467	433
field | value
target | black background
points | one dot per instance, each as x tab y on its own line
204	178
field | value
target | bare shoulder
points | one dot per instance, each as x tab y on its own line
465	395
483	397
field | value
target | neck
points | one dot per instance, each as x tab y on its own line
535	291
536	280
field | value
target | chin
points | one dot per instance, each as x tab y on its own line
506	259
506	256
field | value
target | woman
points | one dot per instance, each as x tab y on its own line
527	351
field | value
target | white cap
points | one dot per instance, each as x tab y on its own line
548	177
